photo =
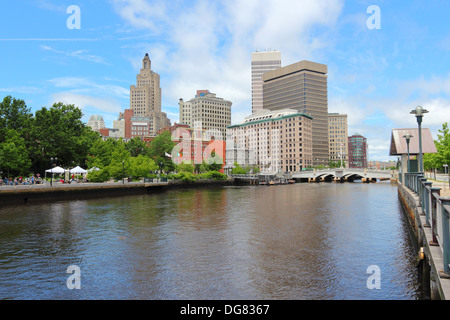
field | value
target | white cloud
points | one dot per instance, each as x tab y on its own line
83	85
208	45
22	90
79	54
102	105
141	13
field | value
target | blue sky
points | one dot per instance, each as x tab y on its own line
376	76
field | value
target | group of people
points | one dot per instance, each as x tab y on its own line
19	181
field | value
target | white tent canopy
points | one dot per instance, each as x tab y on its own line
56	170
77	169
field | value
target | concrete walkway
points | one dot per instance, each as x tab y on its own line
441	181
81	185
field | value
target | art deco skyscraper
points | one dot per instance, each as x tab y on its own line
145	98
262	62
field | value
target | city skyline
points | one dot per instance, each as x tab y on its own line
376	76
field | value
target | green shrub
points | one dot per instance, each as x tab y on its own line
98	176
215	175
188	177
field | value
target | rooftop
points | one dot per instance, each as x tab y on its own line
399	146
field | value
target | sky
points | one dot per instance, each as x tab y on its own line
384	58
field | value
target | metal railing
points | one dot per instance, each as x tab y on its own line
437	213
245	176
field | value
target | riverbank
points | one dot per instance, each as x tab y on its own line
430	256
30	194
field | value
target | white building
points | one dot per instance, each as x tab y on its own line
277	141
262	62
213	112
96	122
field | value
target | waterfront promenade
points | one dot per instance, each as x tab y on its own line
426	206
27	194
441	181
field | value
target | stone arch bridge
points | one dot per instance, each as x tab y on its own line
342	175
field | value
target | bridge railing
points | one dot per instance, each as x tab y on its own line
437	214
245	176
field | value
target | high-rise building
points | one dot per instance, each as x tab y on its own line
96	123
338	138
302	86
145	98
262	62
123	123
213	112
277	141
357	151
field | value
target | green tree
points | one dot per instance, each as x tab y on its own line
14	115
14	155
57	132
99	155
119	160
141	166
434	161
238	169
159	147
185	167
214	162
443	145
100	175
136	146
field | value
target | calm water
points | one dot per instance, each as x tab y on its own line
303	241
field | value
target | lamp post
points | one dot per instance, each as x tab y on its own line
123	172
408	138
419	112
51	169
447	171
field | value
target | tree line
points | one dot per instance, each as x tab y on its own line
436	161
29	141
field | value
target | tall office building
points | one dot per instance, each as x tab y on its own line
213	112
338	137
145	98
262	62
357	151
302	86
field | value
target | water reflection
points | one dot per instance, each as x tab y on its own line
304	241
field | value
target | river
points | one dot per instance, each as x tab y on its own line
302	242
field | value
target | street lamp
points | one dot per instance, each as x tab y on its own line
123	172
419	112
408	138
51	169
